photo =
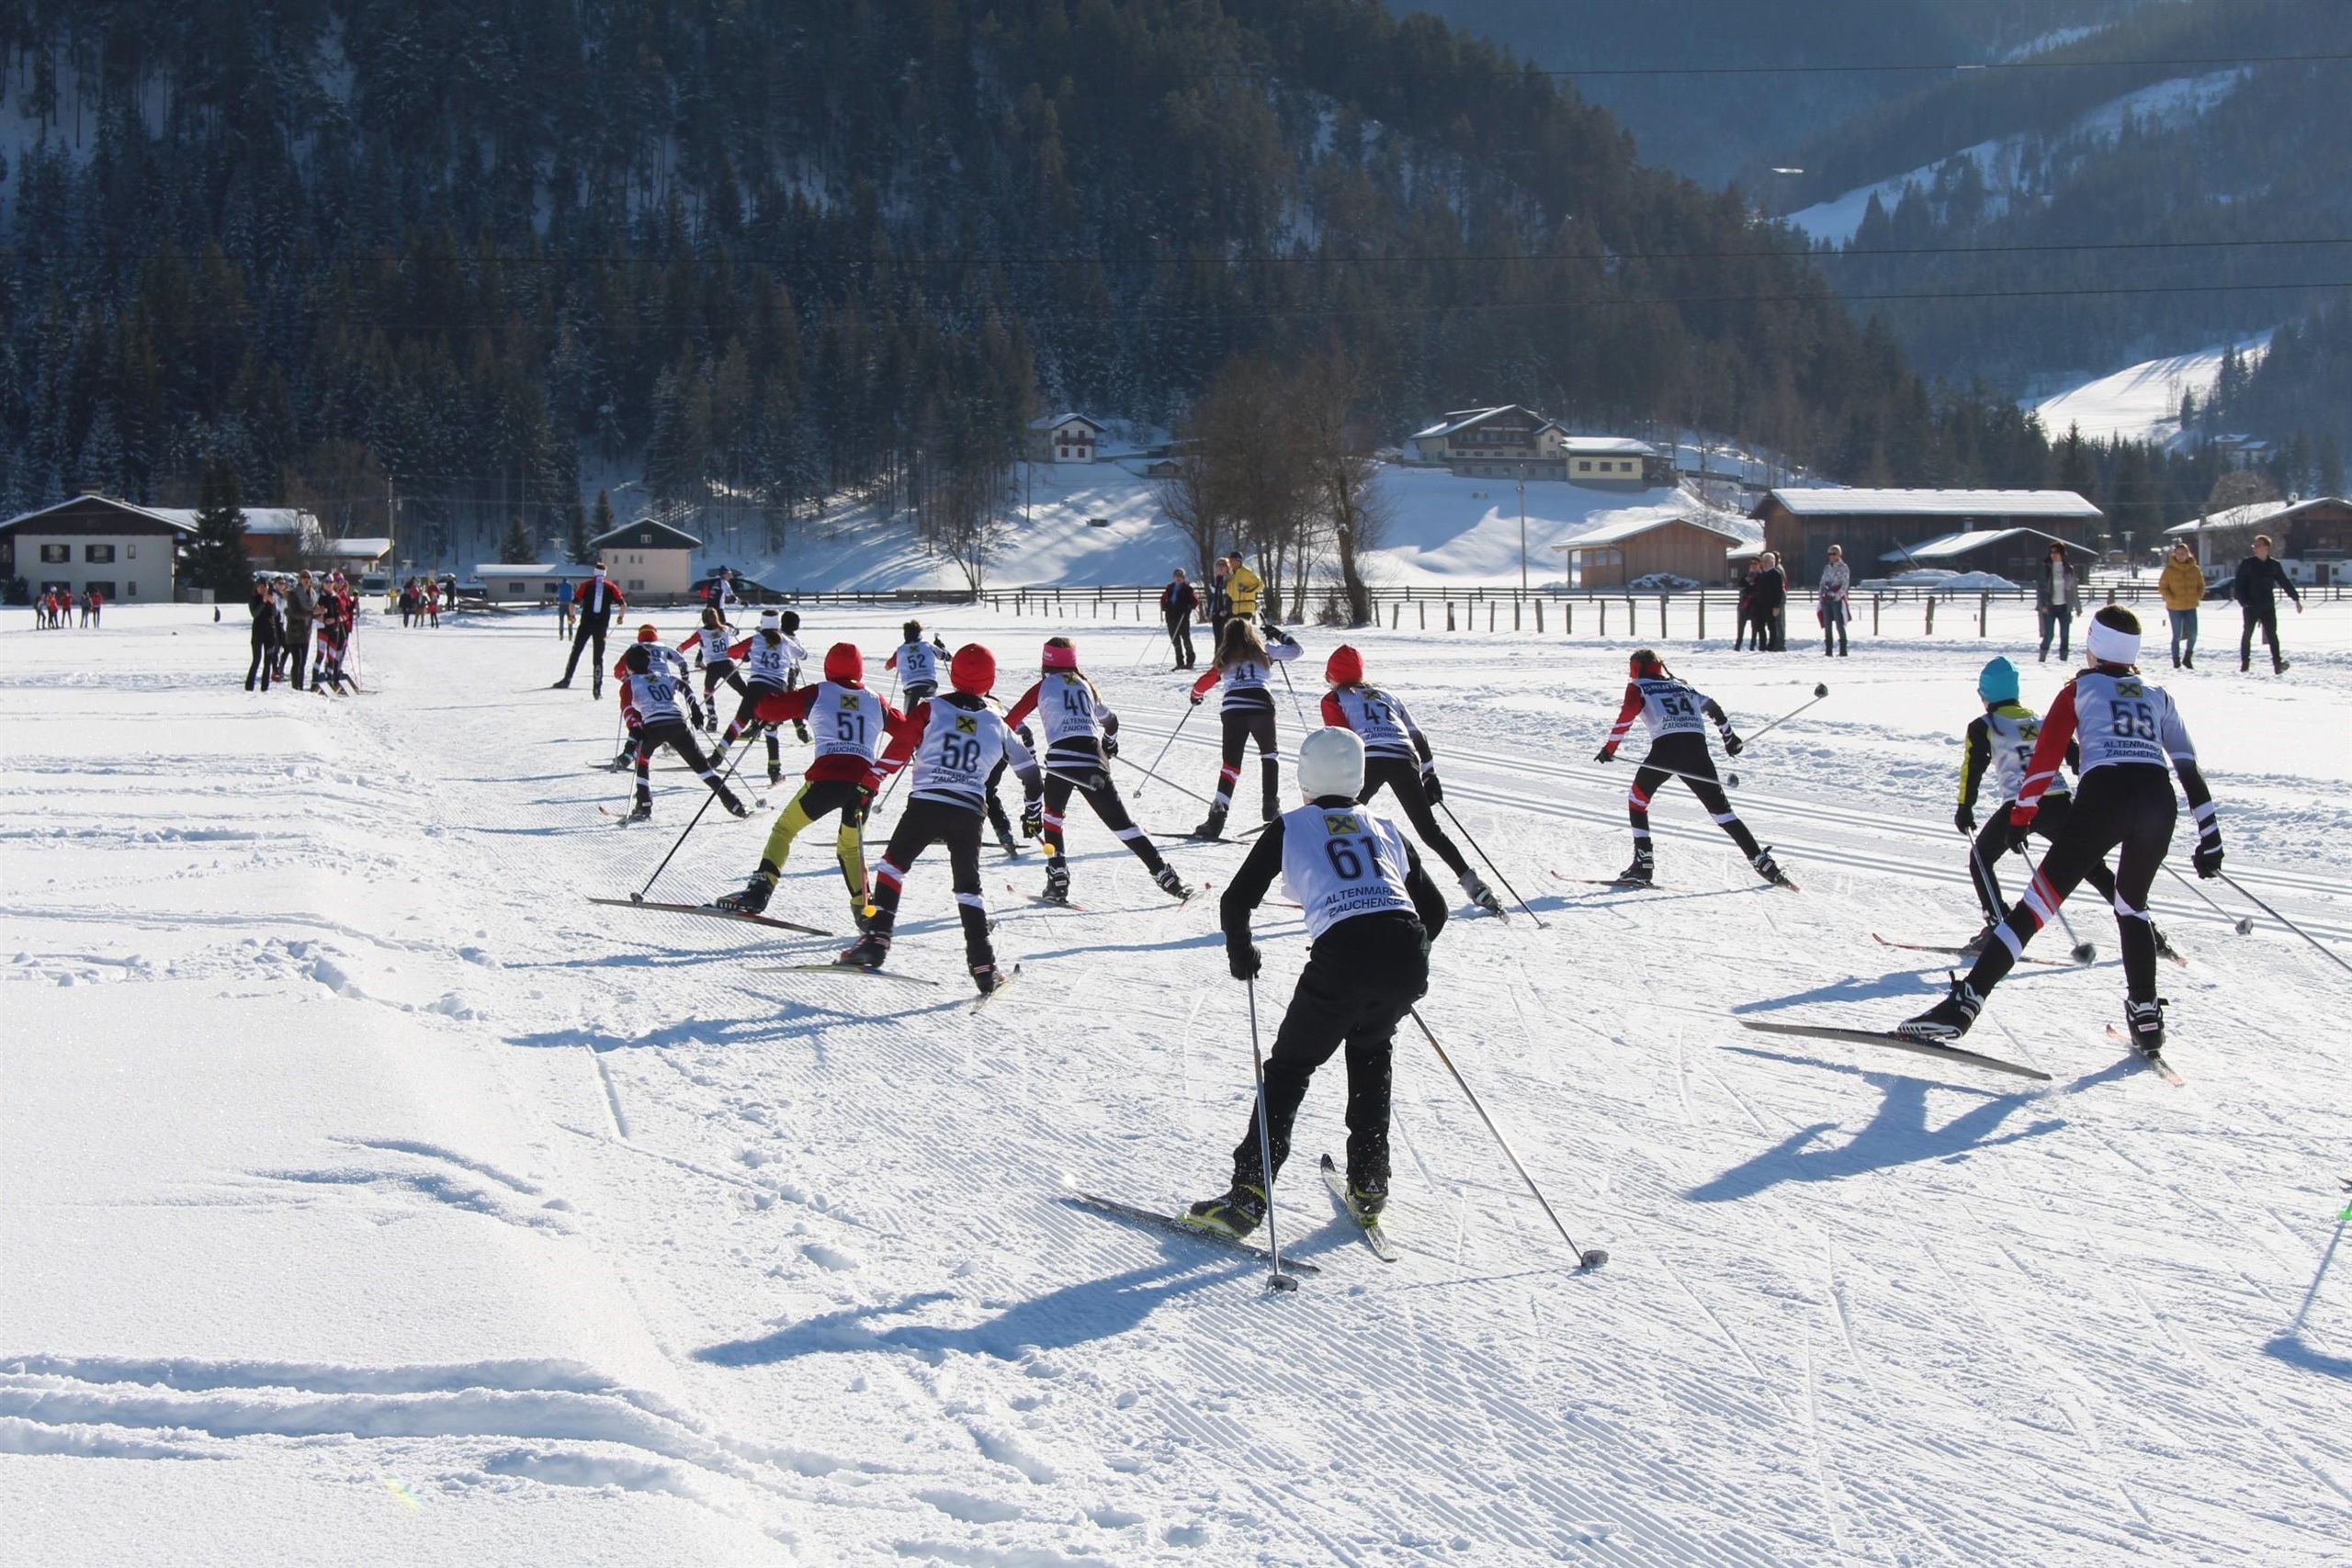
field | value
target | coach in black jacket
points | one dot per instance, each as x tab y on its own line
2256	590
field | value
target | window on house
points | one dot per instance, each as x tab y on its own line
636	584
97	554
56	555
130	551
1583	465
130	588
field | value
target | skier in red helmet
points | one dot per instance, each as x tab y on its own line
1678	717
1397	758
1081	737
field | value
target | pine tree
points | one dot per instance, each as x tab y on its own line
518	548
216	556
576	531
2331	467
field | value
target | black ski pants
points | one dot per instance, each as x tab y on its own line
1993	842
745	720
264	662
1062	780
1686	756
1180	638
298	645
923	823
2127	806
676	734
1243	726
2265	618
591	633
712	674
1360	978
1402	776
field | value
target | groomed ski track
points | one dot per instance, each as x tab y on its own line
349	1150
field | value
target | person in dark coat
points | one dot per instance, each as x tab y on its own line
268	633
2259	581
302	604
1768	599
599	597
1178	605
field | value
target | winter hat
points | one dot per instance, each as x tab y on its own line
973	669
2114	637
1060	654
844	665
1345	668
770	621
649	632
1997	682
1330	761
789	620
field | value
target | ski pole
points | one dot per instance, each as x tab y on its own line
1294	704
1585	1260
1490	864
2082	951
1277	1280
708	796
2241	924
2284	920
1154	769
1172	784
1819	692
1727	778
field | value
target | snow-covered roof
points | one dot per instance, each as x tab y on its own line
1827	502
358	547
1462	419
657	536
1608	447
2252	515
1947	545
488	569
175	520
291	520
1055	421
1640	521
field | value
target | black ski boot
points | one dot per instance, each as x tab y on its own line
866	952
1948	1020
1056	881
625	760
1212	826
2144	1023
1368	1195
800	730
734	807
986	977
1005	841
1235	1215
1982	939
2164	948
776	774
641	812
1639	874
1172	884
1770	869
752	900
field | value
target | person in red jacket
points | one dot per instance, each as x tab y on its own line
599	598
851	725
1397	758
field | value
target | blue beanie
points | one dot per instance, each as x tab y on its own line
1997	682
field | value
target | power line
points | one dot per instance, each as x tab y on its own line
1945	65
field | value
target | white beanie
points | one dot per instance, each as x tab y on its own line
1330	761
771	620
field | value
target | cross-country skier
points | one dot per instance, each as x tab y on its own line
1244	660
2128	731
1676	716
1397	758
331	625
1997	746
656	692
917	663
955	742
852	725
770	659
713	643
1371	912
1081	737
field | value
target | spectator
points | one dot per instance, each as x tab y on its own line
2183	585
2057	598
565	594
269	633
1242	587
1178	605
1220	600
302	607
1769	596
599	597
1837	582
2256	590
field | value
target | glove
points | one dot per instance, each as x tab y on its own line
1964	819
1606	754
1242	958
1197	699
1733	744
2019	832
1110	746
1032	818
694	709
800	730
1430	787
1028	738
854	813
2207	858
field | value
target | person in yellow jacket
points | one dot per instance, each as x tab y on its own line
1242	587
2183	586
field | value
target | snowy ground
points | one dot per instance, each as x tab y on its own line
2141	403
372	1197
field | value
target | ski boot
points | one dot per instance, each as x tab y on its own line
1948	1020
2143	1024
1368	1195
1172	884
1056	881
776	774
1770	869
866	952
1482	895
1638	875
2164	949
986	977
1982	939
1235	1215
624	761
734	807
1212	826
752	900
641	812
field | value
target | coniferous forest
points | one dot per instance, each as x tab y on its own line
463	259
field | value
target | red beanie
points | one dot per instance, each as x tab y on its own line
1345	667
973	669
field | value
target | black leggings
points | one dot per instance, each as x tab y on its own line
1243	725
1404	777
924	823
1180	638
1685	755
2128	806
712	674
1993	842
590	635
673	733
265	661
1360	978
1094	784
746	720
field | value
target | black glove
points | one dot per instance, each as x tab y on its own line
1032	818
854	813
2207	858
1964	819
2014	839
1606	754
1733	744
1197	699
1027	737
1430	787
1242	958
694	709
800	730
1110	746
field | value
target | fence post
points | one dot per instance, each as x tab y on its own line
1702	615
1567	617
1490	614
1873	615
1514	613
1983	612
1539	617
1424	607
1449	615
1604	618
1931	616
1661	617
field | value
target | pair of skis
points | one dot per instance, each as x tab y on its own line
2153	1060
1374	1236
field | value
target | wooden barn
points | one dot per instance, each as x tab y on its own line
1627	550
1800	525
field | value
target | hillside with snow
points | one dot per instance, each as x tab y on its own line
2140	403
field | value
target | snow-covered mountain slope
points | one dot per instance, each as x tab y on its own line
373	1197
1442	529
2140	403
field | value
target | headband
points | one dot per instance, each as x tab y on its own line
2111	645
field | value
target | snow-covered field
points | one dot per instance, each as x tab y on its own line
370	1196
